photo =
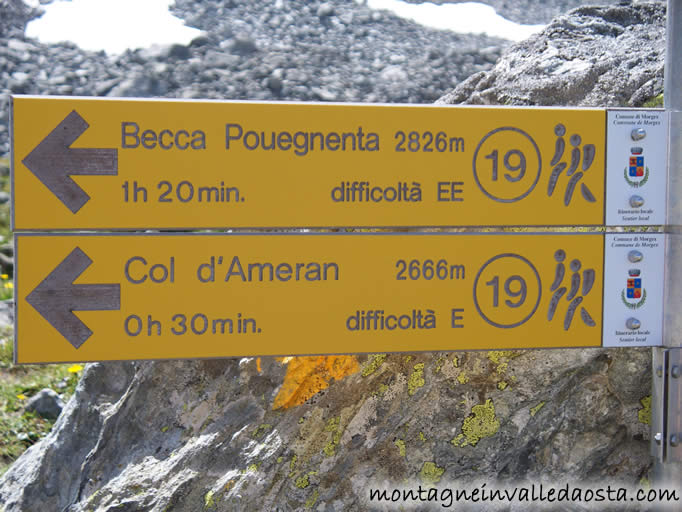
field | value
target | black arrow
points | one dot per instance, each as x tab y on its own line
56	298
53	161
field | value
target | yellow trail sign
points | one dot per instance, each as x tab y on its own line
143	164
124	296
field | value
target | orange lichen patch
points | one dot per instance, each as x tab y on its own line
307	376
258	364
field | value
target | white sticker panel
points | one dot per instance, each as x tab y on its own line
636	167
633	289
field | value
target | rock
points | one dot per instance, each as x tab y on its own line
201	40
597	56
140	86
393	74
46	403
323	94
275	82
55	460
179	51
7	314
243	45
325	9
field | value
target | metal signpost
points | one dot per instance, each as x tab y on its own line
667	361
108	165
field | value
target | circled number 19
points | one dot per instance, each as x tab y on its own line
514	161
519	292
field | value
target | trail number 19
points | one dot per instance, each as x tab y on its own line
519	165
518	292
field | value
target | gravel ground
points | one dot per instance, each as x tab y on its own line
527	12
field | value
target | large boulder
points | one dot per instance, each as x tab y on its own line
320	432
595	56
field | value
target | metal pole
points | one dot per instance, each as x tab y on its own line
666	396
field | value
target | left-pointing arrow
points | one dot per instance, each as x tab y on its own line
56	298
54	161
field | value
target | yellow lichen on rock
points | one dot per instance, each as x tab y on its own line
501	358
306	376
304	481
310	502
481	423
401	446
430	474
209	502
334	427
534	410
416	379
644	414
374	362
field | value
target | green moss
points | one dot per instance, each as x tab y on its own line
304	481
422	437
374	362
262	429
502	385
209	502
644	414
534	410
407	359
401	446
481	423
462	378
430	474
416	379
455	361
310	502
656	101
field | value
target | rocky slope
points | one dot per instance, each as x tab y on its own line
258	50
528	12
317	433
